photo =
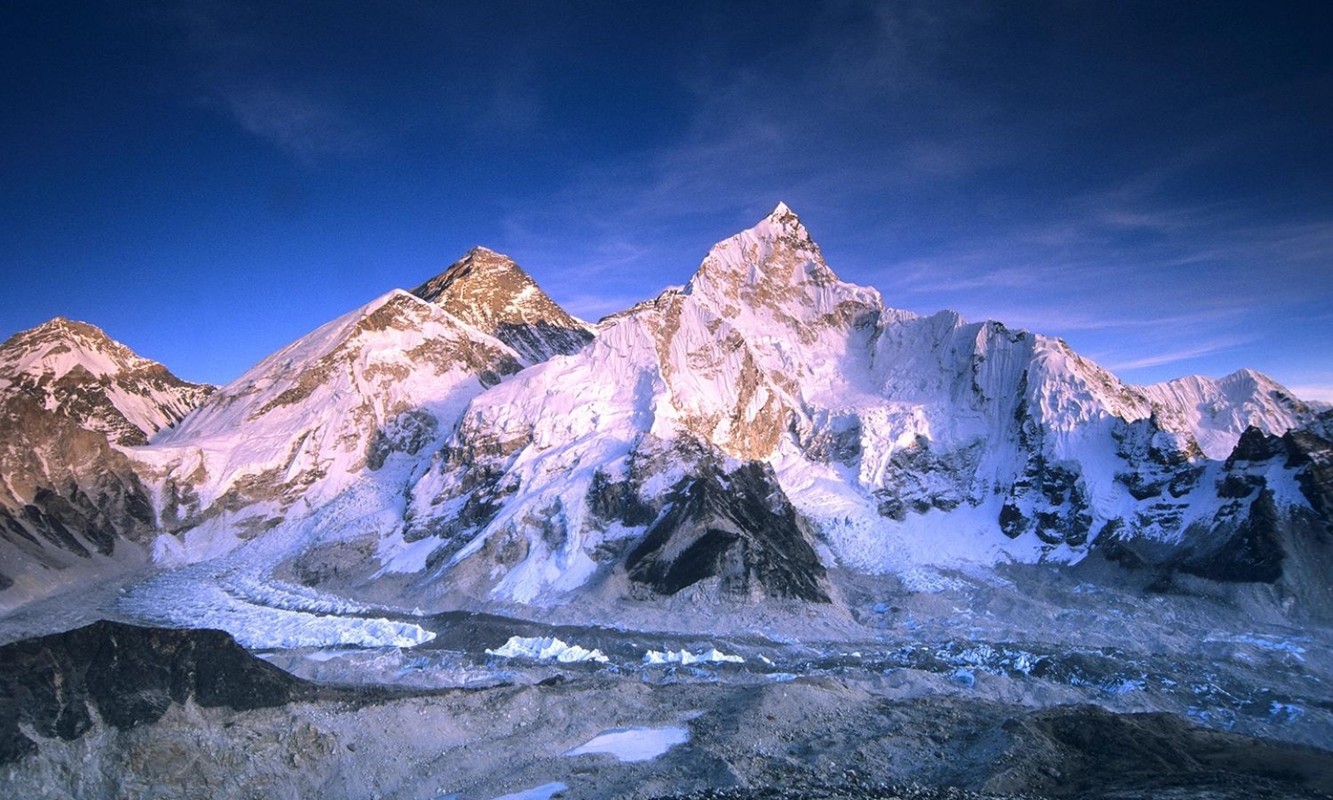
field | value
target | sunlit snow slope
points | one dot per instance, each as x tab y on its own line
744	436
899	440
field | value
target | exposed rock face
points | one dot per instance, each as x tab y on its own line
735	526
1310	449
1252	537
490	292
70	397
125	676
1256	538
75	493
1086	751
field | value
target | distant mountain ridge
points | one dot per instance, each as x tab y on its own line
1213	410
739	437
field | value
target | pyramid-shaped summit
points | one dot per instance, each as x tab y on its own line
491	292
776	270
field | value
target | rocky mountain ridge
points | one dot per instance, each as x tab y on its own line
735	438
75	369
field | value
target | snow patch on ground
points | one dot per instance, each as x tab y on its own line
274	629
545	649
544	792
633	744
999	661
328	655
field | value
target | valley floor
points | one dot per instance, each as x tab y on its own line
1033	681
808	737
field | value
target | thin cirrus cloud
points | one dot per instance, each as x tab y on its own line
1157	359
1322	392
760	127
296	122
1064	318
240	66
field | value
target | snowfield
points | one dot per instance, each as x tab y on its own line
633	744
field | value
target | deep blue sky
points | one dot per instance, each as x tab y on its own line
209	180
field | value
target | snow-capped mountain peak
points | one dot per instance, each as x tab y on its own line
492	293
1217	411
776	272
79	371
72	404
60	346
900	440
776	250
742	435
311	419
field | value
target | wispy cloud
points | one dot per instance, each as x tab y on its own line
958	272
1055	318
951	195
1158	359
1312	382
237	64
1321	392
767	131
294	121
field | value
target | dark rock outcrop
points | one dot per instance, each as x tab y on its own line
126	676
1087	751
1252	554
1251	538
737	526
67	491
